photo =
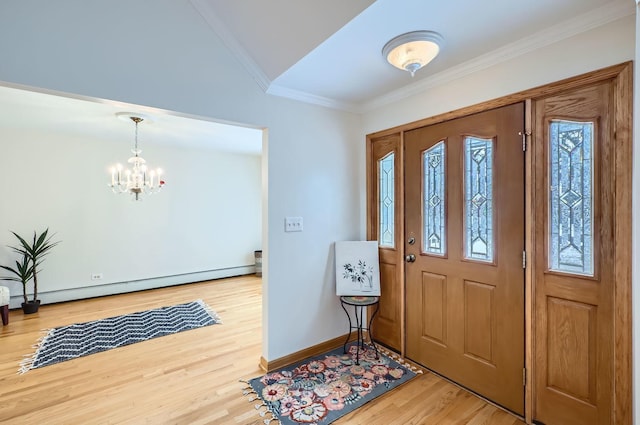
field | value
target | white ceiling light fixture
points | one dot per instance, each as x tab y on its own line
139	179
413	50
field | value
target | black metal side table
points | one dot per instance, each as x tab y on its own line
359	303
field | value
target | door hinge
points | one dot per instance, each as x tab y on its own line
524	376
524	139
524	259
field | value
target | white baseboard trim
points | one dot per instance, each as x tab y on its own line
49	297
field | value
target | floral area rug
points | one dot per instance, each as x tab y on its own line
321	389
81	339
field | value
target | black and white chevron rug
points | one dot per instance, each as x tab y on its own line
81	339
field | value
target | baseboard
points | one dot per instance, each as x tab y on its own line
315	350
264	365
71	294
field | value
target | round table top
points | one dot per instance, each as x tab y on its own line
359	300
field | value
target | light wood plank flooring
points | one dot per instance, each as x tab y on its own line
186	378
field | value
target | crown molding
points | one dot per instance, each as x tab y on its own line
219	27
227	37
302	96
582	23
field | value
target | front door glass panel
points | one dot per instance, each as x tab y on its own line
386	231
433	168
478	198
571	197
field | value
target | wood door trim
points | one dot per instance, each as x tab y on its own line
622	324
622	74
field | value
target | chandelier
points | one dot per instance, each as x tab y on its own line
138	179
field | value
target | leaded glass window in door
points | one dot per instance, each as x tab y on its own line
571	197
433	166
478	198
386	196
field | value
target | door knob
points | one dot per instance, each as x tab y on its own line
410	258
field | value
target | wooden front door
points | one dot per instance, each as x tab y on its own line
464	235
574	257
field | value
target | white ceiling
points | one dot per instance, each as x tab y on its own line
76	116
326	52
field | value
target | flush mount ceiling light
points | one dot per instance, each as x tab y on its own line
413	50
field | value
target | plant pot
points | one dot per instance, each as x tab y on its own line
30	307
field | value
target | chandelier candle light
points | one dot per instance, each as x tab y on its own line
139	179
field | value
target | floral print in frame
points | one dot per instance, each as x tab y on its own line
357	268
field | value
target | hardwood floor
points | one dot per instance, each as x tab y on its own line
190	377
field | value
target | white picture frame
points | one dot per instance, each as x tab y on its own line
357	268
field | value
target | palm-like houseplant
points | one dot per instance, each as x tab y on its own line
31	257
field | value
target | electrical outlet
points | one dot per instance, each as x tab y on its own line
293	224
96	276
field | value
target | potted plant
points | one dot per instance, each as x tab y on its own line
27	268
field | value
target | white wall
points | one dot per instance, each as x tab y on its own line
604	46
315	175
205	223
166	57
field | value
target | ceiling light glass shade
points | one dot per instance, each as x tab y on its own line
413	50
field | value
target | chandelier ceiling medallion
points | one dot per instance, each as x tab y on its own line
138	179
413	50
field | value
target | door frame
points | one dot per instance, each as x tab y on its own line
622	77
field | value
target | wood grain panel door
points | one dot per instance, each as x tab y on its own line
574	257
464	210
386	226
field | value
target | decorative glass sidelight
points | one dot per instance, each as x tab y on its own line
434	233
478	198
571	197
386	231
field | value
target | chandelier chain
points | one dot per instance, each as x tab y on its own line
136	120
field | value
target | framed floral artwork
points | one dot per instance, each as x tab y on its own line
357	268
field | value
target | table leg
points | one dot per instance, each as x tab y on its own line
344	347
360	342
371	332
358	310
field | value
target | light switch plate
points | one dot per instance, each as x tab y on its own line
293	224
